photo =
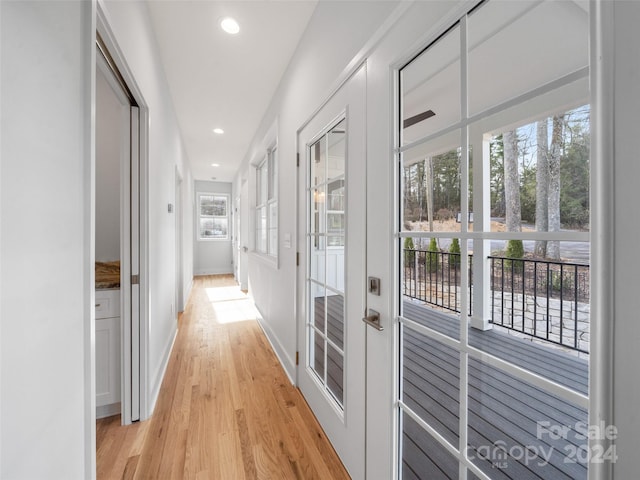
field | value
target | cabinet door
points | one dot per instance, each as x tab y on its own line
107	361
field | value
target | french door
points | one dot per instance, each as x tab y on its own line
493	366
331	334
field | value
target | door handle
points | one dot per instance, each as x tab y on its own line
373	319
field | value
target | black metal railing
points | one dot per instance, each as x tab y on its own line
543	299
434	278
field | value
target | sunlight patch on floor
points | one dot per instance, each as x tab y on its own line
221	294
231	305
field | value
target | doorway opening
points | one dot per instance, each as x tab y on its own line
120	188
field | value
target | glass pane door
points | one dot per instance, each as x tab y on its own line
326	241
493	169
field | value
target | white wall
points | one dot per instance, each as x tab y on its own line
327	46
626	231
131	25
47	395
109	144
46	302
212	256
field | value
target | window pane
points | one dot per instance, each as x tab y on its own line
273	176
510	54
521	429
318	257
317	307
422	456
335	373
335	319
337	145
273	242
213	228
206	228
261	229
319	162
207	205
318	213
317	353
540	174
262	183
431	89
431	178
335	264
336	196
219	206
273	229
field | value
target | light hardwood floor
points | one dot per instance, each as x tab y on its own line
226	409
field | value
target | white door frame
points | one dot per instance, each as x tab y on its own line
141	410
344	427
177	211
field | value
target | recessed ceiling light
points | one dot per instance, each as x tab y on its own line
219	131
229	25
215	164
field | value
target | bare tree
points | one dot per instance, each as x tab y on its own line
511	182
542	186
555	153
428	164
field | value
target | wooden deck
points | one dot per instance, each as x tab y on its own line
503	412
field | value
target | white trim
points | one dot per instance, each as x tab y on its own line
288	364
601	371
562	236
105	411
110	41
268	260
228	207
89	243
155	389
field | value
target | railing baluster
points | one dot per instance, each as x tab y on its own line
524	299
513	291
502	276
561	306
549	281
575	305
535	299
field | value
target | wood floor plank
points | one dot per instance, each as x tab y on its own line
226	408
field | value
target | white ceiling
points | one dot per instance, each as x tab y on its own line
225	81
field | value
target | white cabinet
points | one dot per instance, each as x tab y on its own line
107	352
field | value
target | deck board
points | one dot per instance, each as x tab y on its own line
502	408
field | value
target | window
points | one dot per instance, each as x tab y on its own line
495	127
267	204
213	212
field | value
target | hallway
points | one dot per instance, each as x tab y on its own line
226	408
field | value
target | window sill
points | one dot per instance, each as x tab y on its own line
266	259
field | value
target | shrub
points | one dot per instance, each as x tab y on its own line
409	252
433	256
454	249
515	251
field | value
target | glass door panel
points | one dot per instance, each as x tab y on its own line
326	193
494	308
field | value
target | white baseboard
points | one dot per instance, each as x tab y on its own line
155	390
215	271
288	364
104	411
